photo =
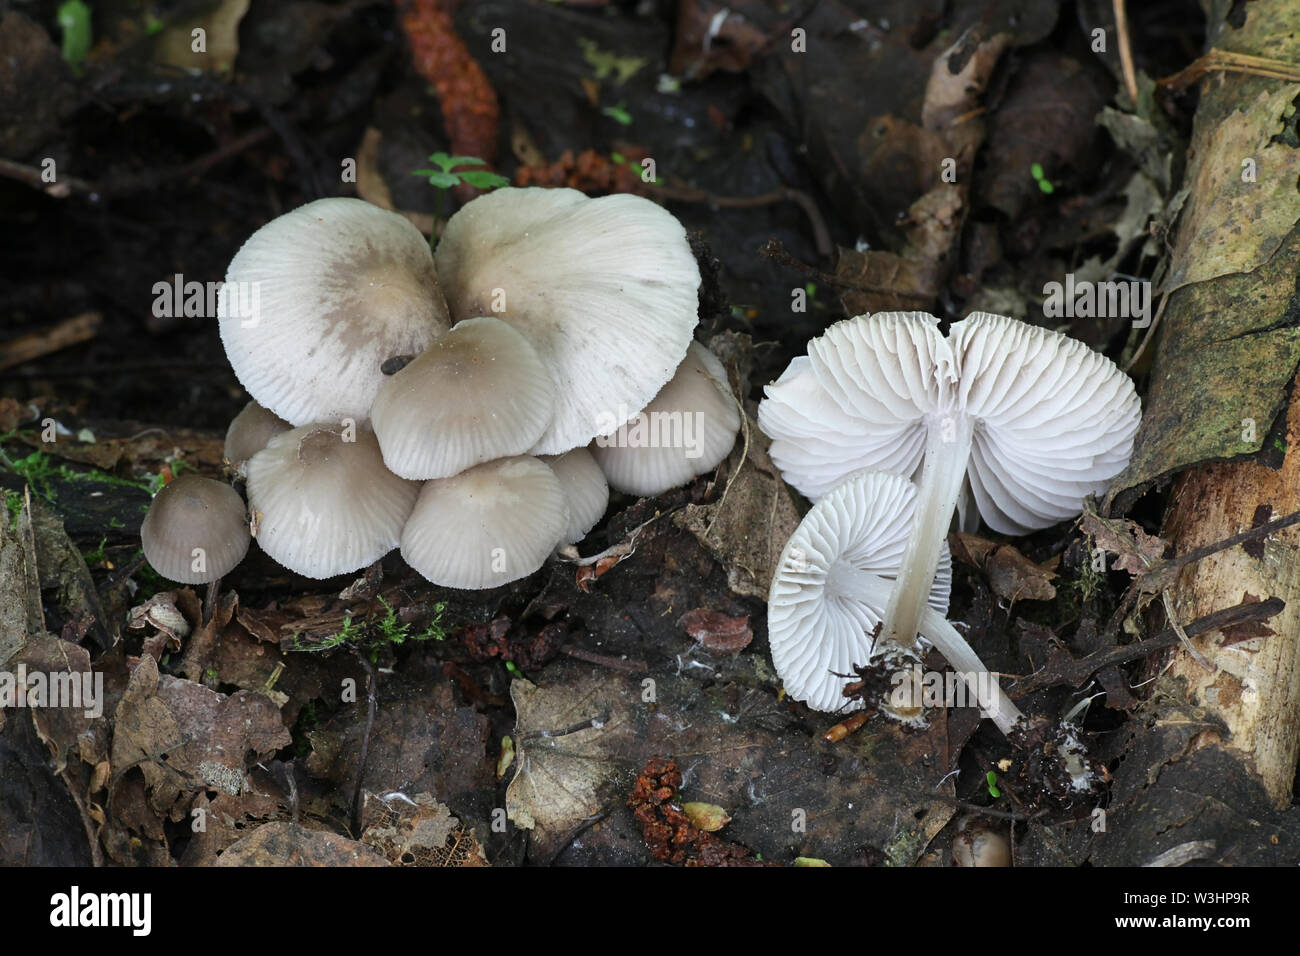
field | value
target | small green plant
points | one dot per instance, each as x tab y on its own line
1045	184
74	21
98	557
448	175
14	505
618	113
991	779
372	637
514	671
619	159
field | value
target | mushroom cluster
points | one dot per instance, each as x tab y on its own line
1024	420
465	405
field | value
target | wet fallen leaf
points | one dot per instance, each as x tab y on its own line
709	817
185	738
288	844
1011	575
417	831
719	634
1135	551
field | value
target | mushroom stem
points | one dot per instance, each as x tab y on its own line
873	590
947	452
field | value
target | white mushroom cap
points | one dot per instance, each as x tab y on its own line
605	289
687	430
585	490
325	505
340	287
478	393
487	526
196	530
817	626
249	432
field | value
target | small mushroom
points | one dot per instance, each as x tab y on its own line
686	430
323	502
249	432
1033	420
477	394
339	286
605	290
487	526
196	530
585	491
831	587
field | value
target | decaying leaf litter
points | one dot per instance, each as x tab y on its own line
569	718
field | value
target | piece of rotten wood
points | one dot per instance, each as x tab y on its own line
1076	671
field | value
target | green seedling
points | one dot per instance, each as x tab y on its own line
1045	184
620	160
514	671
991	779
448	175
74	21
618	113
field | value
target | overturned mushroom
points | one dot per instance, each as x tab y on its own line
687	430
196	530
1034	420
487	526
319	298
323	502
830	590
604	289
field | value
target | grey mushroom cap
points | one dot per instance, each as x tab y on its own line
685	431
487	526
818	627
585	490
196	530
605	289
340	286
479	393
249	432
322	501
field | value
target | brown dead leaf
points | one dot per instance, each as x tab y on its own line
173	615
185	738
417	831
720	635
288	844
1011	575
1135	551
748	526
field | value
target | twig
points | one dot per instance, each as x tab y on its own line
1227	62
1125	52
126	185
92	834
821	234
604	660
1077	671
774	250
371	696
1150	333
